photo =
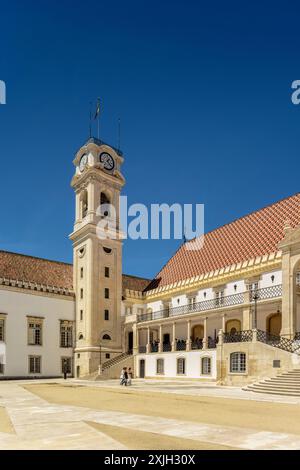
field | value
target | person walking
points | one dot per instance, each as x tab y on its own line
122	376
130	376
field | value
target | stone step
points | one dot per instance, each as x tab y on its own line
273	392
276	387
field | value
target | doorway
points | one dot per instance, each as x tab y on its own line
130	342
78	371
274	324
142	368
166	338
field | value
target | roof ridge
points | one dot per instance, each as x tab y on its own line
36	257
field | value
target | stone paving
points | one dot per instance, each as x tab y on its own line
42	425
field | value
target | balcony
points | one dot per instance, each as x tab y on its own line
212	304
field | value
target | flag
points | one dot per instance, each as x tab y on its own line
97	109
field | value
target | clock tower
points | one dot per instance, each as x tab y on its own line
97	255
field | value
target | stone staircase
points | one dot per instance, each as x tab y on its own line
287	383
111	369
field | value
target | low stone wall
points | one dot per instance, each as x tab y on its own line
260	359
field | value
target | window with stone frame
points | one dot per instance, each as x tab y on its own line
238	362
35	332
219	295
160	366
2	329
34	364
66	334
206	366
181	366
253	287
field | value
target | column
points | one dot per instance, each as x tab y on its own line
148	346
160	345
188	336
247	319
224	322
173	336
205	334
135	345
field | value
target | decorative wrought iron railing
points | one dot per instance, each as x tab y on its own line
244	336
154	347
211	343
167	347
197	344
290	345
181	345
142	349
211	304
267	292
297	335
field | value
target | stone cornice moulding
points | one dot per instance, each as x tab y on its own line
244	269
35	288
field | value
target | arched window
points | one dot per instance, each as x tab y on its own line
238	362
107	250
84	203
104	205
181	366
80	336
106	336
206	366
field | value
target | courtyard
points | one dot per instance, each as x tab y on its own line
75	414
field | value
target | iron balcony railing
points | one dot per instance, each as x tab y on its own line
244	336
212	304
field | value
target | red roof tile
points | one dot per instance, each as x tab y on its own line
253	235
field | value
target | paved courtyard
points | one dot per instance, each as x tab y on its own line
53	414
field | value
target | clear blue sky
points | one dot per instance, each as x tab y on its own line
203	91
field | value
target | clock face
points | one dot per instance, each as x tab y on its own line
107	160
83	162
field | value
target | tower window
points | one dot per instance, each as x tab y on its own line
107	337
106	293
106	271
104	205
81	315
107	250
106	314
81	293
81	273
84	202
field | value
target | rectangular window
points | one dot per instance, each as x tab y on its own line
106	293
253	287
81	273
298	279
81	315
66	335
1	367
206	366
35	333
106	314
160	366
34	364
106	271
238	362
2	325
66	365
191	302
219	298
181	366
140	311
81	293
107	356
128	310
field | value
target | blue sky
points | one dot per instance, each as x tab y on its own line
203	92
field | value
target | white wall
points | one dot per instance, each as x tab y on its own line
19	305
192	364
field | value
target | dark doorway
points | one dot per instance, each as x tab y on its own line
142	368
166	338
130	342
78	371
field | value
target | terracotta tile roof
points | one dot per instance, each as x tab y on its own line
253	235
135	283
37	270
52	273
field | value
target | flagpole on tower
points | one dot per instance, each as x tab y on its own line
90	119
97	116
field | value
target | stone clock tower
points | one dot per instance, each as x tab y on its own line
97	255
